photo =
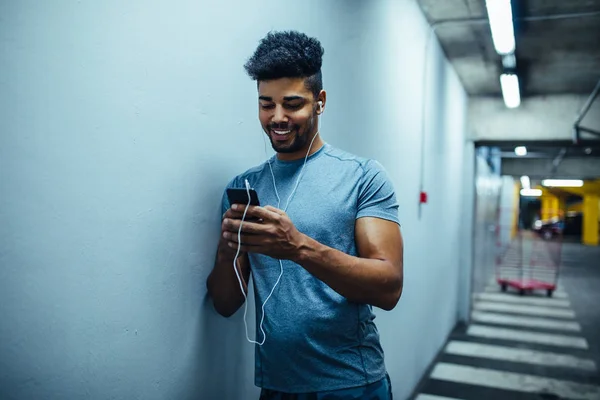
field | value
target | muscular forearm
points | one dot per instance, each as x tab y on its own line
223	285
361	280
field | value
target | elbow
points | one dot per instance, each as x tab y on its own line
223	308
393	296
224	311
220	306
390	302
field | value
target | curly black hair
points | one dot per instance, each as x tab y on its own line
288	54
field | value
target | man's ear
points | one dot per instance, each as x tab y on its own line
321	100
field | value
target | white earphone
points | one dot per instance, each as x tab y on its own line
280	262
260	326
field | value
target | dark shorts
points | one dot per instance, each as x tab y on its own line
380	390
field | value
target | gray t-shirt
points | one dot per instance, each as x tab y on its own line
317	340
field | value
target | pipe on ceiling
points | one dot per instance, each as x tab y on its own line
577	128
548	17
557	160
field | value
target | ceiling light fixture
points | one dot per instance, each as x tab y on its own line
525	182
521	151
562	182
501	25
510	90
531	192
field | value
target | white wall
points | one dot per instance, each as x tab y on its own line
121	123
384	121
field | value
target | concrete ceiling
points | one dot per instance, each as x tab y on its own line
540	168
545	160
556	53
542	150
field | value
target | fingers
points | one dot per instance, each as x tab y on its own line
248	240
237	212
233	214
267	213
243	248
250	243
233	226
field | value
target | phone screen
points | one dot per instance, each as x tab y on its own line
240	196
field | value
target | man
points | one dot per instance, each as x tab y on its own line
338	239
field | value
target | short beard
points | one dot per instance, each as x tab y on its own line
300	140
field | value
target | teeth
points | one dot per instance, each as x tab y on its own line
281	132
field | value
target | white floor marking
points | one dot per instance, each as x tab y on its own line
526	356
516	299
527	336
513	381
522	309
556	295
424	396
530	322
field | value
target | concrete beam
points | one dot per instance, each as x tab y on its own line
569	168
538	118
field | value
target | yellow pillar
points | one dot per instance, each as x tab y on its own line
554	207
516	210
545	211
550	206
562	206
590	219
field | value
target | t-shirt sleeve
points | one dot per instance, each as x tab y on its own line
376	197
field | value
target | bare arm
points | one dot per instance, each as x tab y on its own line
222	283
374	277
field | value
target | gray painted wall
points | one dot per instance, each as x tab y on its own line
488	184
121	123
537	118
467	266
507	208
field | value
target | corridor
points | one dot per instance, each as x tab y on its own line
527	347
398	154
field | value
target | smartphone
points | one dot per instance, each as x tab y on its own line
240	196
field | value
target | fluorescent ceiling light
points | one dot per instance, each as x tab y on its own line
531	192
521	151
562	182
501	25
510	90
525	182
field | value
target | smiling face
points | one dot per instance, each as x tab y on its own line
288	113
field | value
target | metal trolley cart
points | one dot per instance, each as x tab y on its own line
530	261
